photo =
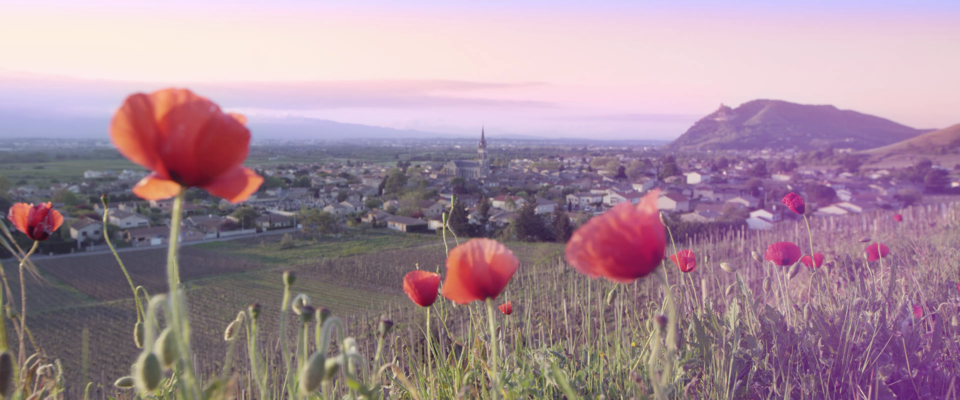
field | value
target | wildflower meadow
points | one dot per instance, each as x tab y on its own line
862	307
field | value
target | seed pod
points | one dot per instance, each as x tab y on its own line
730	289
726	267
313	373
806	312
386	325
105	198
794	270
299	303
661	320
756	256
231	332
124	383
865	239
138	334
611	296
766	284
254	310
6	374
322	314
166	348
288	278
147	373
663	219
330	367
306	313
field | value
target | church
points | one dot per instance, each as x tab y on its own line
469	169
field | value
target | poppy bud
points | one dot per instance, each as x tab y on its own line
386	325
766	284
331	367
105	198
288	278
313	373
299	303
663	219
306	313
166	347
730	289
147	373
231	332
726	267
138	334
124	382
611	296
794	270
254	310
806	312
445	216
322	314
661	320
865	239
756	256
6	374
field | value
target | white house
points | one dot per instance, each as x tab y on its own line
431	208
781	177
746	200
337	209
86	228
545	206
584	199
644	184
505	202
617	197
694	178
673	202
125	219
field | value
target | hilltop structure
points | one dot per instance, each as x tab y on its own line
469	169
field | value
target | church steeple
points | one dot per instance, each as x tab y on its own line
482	155
483	140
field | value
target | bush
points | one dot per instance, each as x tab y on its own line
286	242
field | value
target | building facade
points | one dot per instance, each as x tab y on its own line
469	169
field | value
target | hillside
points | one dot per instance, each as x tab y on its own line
781	125
940	145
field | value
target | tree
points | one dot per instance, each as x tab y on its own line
303	182
372	203
5	186
271	182
245	215
936	180
286	242
562	228
459	220
529	227
670	169
909	197
66	197
395	182
759	169
317	222
484	210
621	172
820	194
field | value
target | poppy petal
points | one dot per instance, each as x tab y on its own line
18	215
154	187
220	148
56	219
181	117
134	132
235	186
421	287
477	270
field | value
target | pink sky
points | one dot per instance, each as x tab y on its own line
611	71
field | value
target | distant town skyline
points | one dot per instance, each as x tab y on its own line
563	69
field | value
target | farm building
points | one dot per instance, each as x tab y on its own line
405	224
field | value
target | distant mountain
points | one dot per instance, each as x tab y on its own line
932	145
779	125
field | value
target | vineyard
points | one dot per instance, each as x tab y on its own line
82	312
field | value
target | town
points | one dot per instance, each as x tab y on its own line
505	191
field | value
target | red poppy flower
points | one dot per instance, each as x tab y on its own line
794	203
813	262
185	140
38	221
876	251
685	259
898	217
421	287
506	308
917	311
477	270
624	244
782	253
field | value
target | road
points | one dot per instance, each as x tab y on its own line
103	249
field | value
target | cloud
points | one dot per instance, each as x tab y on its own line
24	90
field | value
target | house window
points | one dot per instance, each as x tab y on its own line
83	234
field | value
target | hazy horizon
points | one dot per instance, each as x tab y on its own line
607	70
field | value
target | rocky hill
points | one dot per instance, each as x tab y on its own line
941	145
779	125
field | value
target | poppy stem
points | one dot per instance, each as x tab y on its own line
179	320
494	378
23	303
809	234
106	237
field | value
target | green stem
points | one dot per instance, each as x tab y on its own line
429	346
809	234
179	318
285	351
106	237
494	377
23	303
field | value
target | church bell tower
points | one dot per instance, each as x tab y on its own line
482	155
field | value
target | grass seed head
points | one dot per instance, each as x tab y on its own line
661	321
254	310
611	296
730	289
147	373
166	347
865	239
806	312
